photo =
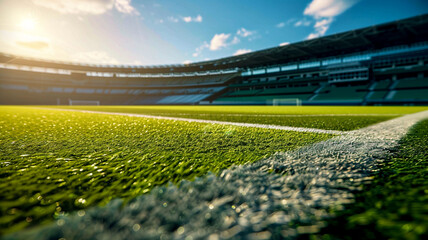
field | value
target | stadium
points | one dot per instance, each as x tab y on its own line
324	138
378	65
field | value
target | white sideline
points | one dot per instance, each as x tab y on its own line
297	115
254	125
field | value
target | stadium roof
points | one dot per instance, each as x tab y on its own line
401	32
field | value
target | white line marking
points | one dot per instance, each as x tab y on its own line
285	115
253	125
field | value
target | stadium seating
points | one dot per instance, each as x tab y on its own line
378	95
332	93
183	99
412	83
260	99
382	85
244	92
289	90
54	88
412	95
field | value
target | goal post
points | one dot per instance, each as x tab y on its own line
72	102
286	102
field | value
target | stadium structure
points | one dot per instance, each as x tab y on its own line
386	64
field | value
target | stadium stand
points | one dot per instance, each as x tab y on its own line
344	93
410	95
412	83
385	64
381	85
54	88
376	95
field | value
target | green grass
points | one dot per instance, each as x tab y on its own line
348	118
395	205
54	162
259	110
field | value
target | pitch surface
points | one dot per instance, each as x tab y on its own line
350	146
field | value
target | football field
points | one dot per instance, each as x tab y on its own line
189	171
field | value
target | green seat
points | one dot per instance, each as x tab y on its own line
263	99
378	95
412	83
382	85
417	94
341	93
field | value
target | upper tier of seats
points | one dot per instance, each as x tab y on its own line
74	79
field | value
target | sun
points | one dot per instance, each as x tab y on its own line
28	24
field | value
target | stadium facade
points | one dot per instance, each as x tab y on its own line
386	64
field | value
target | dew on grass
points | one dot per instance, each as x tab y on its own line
81	213
60	222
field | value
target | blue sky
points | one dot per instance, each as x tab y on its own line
151	32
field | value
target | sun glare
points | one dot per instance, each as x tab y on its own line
28	24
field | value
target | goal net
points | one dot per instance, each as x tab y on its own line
83	102
287	102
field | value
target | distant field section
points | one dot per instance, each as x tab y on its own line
332	118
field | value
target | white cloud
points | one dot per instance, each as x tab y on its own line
235	40
324	11
280	25
322	25
244	32
192	19
288	22
219	41
328	8
320	28
173	19
187	62
94	7
242	51
284	44
77	6
198	18
94	57
322	22
312	36
302	22
199	49
124	6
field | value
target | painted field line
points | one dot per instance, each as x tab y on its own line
280	197
253	125
290	115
